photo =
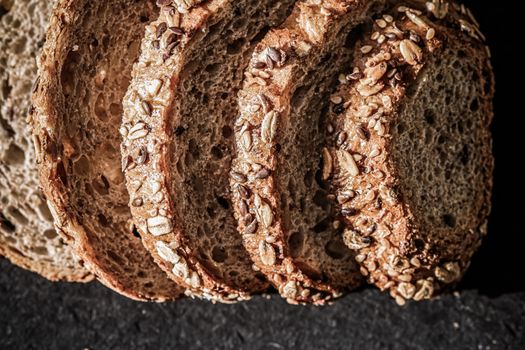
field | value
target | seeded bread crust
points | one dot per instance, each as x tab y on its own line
312	38
158	137
396	252
84	72
27	236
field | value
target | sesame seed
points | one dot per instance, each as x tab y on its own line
381	23
336	99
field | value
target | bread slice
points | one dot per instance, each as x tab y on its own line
27	235
286	216
178	121
84	72
411	148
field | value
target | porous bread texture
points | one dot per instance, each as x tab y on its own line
27	236
414	170
284	213
177	130
84	72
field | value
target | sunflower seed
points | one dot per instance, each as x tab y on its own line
262	174
244	193
138	131
345	197
265	103
181	269
166	253
269	126
327	164
153	87
347	162
243	207
159	225
274	54
251	228
142	156
263	211
410	51
418	21
366	90
239	177
146	108
246	140
267	253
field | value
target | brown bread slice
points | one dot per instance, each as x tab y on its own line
84	72
414	170
285	214
27	236
177	129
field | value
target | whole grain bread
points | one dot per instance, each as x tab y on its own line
286	216
178	120
410	148
27	236
84	72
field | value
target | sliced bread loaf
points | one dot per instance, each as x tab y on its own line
285	214
27	235
410	148
84	72
177	129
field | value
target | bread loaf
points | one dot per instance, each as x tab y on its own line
84	72
27	235
410	147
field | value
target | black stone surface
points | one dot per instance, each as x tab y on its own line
487	314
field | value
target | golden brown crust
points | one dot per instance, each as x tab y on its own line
54	149
277	65
393	253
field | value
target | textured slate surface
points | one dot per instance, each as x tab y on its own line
489	313
39	314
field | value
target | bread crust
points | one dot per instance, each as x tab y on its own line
50	126
25	232
394	251
277	66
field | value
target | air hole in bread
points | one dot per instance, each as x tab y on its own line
17	216
6	225
100	107
449	220
219	255
67	76
336	249
50	233
3	10
41	250
101	185
296	244
430	117
236	46
14	155
81	166
135	231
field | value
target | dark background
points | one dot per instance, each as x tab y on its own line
487	313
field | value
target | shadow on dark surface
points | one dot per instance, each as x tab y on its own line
37	314
497	268
488	314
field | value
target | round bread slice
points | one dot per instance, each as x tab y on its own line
84	72
285	214
27	236
178	124
411	148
